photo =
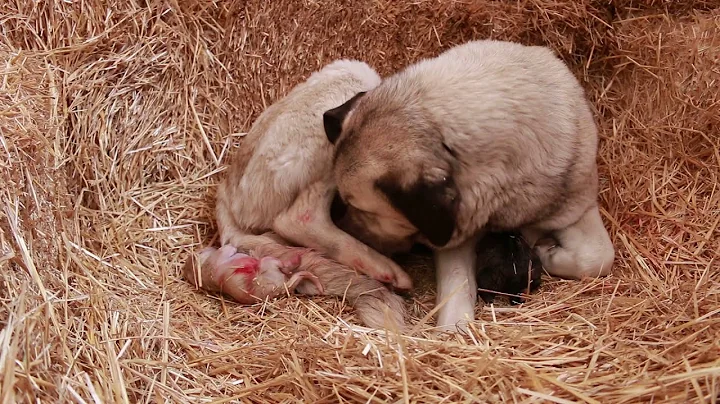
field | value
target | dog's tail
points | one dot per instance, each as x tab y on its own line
375	305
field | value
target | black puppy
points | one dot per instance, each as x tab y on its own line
506	264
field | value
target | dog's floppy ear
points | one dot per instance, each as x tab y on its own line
333	118
430	204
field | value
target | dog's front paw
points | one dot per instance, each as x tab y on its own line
403	281
380	268
392	273
453	324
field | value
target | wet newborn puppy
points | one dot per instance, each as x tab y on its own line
247	279
507	265
487	136
278	192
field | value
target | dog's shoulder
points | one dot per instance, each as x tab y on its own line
285	148
297	116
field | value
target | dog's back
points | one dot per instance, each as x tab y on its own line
519	136
533	139
286	149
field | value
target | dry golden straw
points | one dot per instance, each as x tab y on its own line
117	119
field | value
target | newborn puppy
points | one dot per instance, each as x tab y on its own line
246	279
506	264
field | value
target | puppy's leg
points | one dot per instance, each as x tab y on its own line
455	274
308	223
583	249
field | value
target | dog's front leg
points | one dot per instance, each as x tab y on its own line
308	223
456	286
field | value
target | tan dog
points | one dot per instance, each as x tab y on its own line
280	184
488	135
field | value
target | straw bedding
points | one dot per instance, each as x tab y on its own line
117	120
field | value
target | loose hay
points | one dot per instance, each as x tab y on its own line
117	120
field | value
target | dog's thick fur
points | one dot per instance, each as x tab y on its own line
489	135
279	188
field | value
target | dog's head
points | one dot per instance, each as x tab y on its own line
394	172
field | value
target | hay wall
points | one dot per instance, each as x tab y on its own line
117	119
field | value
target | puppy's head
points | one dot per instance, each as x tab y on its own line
393	171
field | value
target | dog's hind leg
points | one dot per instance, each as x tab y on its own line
583	249
307	222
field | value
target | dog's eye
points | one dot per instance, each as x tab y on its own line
448	149
358	210
338	208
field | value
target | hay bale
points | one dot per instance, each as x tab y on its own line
34	209
118	119
662	113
